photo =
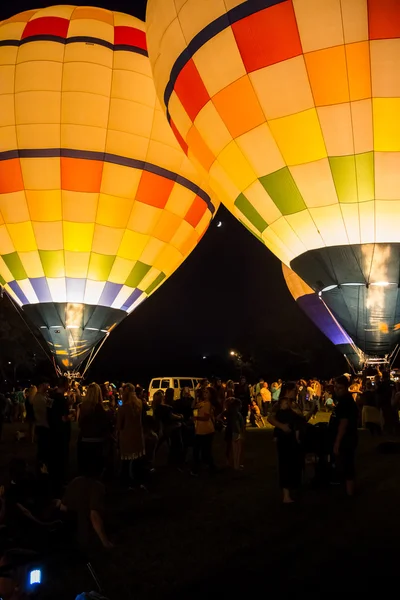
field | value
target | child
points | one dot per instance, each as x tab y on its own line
256	419
328	398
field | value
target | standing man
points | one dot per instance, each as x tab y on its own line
243	393
20	396
40	405
276	390
385	394
343	424
266	399
60	431
221	392
302	394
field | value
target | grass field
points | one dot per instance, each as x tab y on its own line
228	535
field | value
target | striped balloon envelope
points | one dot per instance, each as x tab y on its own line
293	109
315	308
98	203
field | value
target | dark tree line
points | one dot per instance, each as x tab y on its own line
21	353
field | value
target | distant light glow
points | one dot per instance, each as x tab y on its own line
35	576
383	283
74	315
219	224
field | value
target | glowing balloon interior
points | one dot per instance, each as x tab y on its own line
293	108
98	203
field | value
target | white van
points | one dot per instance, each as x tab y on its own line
176	383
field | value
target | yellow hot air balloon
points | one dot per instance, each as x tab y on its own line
98	203
293	109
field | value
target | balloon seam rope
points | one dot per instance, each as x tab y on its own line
91	358
350	364
353	345
350	313
60	160
395	353
354	151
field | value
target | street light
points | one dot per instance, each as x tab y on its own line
237	358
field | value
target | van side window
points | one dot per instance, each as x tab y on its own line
176	385
165	384
186	383
156	384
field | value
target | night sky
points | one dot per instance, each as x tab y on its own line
229	294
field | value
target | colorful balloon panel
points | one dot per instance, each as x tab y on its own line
98	203
292	107
316	309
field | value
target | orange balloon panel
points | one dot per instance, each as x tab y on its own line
98	203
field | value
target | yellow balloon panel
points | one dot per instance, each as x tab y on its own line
292	107
297	287
98	202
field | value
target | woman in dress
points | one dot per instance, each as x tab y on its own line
131	437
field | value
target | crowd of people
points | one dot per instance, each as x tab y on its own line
118	431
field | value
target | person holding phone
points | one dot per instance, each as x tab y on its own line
17	578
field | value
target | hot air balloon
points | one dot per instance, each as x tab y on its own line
293	108
315	308
98	203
